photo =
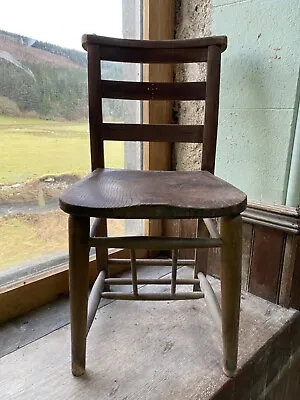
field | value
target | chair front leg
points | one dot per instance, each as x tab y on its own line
78	280
231	260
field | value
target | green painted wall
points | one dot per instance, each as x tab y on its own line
258	140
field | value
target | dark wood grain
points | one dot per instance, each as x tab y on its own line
156	51
158	56
95	108
153	90
153	132
79	228
152	194
214	257
211	109
201	255
295	290
187	228
266	263
288	270
214	262
99	228
104	41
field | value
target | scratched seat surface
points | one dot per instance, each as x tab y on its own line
115	193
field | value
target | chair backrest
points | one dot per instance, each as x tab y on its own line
147	52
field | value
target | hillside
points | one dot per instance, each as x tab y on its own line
35	55
46	80
38	52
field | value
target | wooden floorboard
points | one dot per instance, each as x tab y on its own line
139	350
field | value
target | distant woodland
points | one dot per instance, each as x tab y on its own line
47	81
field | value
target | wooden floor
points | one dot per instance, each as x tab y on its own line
139	350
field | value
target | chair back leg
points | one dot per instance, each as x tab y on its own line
99	229
201	255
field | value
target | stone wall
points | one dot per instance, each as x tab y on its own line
193	19
259	99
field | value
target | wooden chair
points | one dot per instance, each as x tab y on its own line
110	193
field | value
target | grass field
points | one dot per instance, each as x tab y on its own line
31	148
29	237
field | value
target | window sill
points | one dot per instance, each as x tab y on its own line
41	288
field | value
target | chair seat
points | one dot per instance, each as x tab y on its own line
115	193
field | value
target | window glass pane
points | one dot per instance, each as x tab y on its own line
43	122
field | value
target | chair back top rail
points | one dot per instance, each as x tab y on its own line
153	51
104	41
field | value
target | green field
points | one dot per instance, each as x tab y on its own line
31	148
30	237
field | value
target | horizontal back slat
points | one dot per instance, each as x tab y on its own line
152	132
153	55
153	90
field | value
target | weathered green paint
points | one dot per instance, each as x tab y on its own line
253	151
260	71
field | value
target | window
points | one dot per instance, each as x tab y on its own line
18	297
44	126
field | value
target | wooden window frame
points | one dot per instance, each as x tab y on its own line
22	296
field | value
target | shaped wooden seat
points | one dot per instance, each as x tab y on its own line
152	194
109	193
